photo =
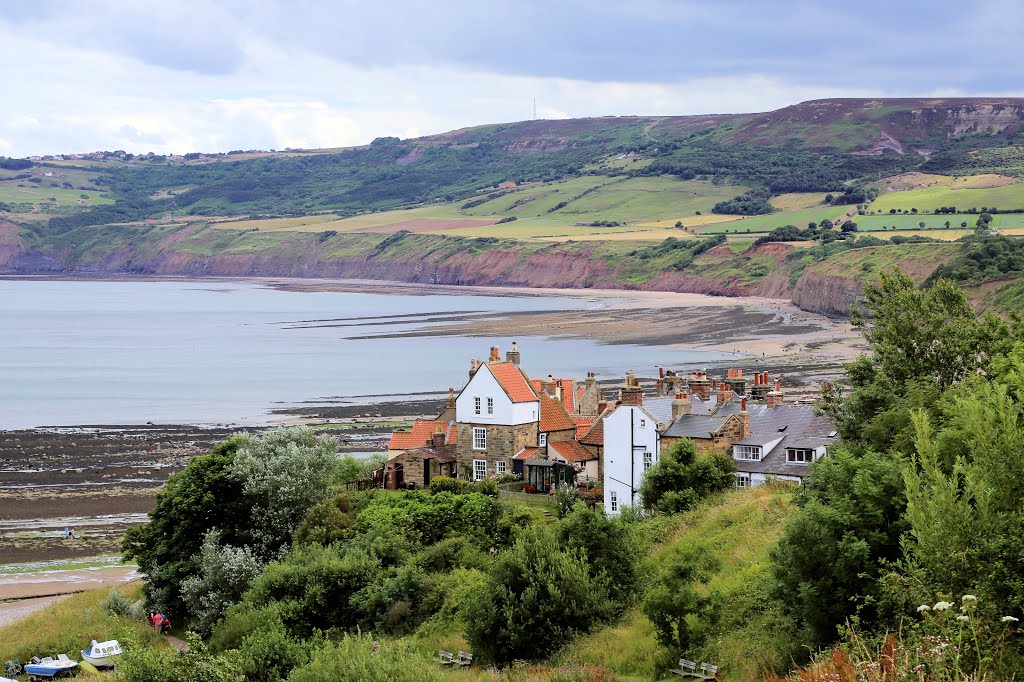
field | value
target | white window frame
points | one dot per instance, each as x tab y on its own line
490	406
613	500
479	438
476	405
799	455
542	440
749	453
479	469
500	467
742	480
643	423
648	460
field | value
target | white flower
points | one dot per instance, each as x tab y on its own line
1009	619
941	606
963	618
967	598
923	607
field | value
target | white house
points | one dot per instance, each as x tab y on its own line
630	449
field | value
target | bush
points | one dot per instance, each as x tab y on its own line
566	498
143	664
327	522
609	546
537	598
446	484
353	658
224	576
118	603
681	478
681	615
487	487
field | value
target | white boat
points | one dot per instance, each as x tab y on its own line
49	667
102	654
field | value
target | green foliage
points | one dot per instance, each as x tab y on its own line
609	546
118	603
987	257
224	574
352	659
964	505
566	497
851	513
488	487
753	202
681	478
447	484
680	613
326	522
537	598
141	664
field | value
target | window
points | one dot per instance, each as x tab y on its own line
479	469
648	460
479	438
476	405
490	406
742	480
500	467
613	500
799	455
542	439
749	452
643	423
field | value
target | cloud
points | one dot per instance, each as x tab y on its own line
181	76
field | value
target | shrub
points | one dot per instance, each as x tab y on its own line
537	598
609	546
353	658
446	484
566	498
118	603
487	487
681	615
681	478
144	664
529	489
224	576
327	522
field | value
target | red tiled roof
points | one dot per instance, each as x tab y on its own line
527	453
568	399
595	436
571	451
583	424
513	381
553	416
537	384
422	431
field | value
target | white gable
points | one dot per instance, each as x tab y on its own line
484	386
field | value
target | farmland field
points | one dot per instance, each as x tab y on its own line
766	223
936	196
794	201
12	194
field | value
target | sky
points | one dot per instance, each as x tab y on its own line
217	75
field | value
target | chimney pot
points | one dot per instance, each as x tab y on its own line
495	354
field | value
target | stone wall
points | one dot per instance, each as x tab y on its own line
502	443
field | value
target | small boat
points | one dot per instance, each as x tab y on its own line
102	654
49	667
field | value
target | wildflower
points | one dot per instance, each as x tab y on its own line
970	602
963	618
923	607
1009	619
941	606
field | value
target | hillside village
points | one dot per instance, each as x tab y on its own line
507	426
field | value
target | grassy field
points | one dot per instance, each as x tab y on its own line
69	625
11	193
767	223
942	194
795	201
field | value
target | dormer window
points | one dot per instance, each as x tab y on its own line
750	453
799	455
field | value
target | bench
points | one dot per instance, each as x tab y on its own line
447	658
686	668
465	659
709	670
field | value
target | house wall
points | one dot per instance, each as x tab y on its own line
483	385
760	479
503	441
625	442
730	432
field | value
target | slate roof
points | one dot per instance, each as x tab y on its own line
443	454
571	451
695	426
798	426
553	416
421	433
513	381
659	408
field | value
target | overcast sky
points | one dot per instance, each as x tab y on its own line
179	76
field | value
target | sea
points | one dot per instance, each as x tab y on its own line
230	352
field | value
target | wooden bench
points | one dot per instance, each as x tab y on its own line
447	658
689	669
465	659
709	670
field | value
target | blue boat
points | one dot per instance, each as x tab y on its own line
49	668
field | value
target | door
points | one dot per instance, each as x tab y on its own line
399	476
426	473
517	466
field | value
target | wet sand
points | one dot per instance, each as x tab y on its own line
25	593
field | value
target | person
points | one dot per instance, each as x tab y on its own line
151	618
67	533
158	622
165	626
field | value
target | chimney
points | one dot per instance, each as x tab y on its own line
549	385
591	379
602	405
774	397
437	440
631	393
473	367
660	388
661	372
745	418
558	392
495	354
451	398
681	405
513	355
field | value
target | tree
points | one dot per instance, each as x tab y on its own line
851	514
921	224
681	478
681	615
829	198
608	546
849	226
537	598
947	224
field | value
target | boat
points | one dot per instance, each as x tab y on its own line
49	667
102	654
